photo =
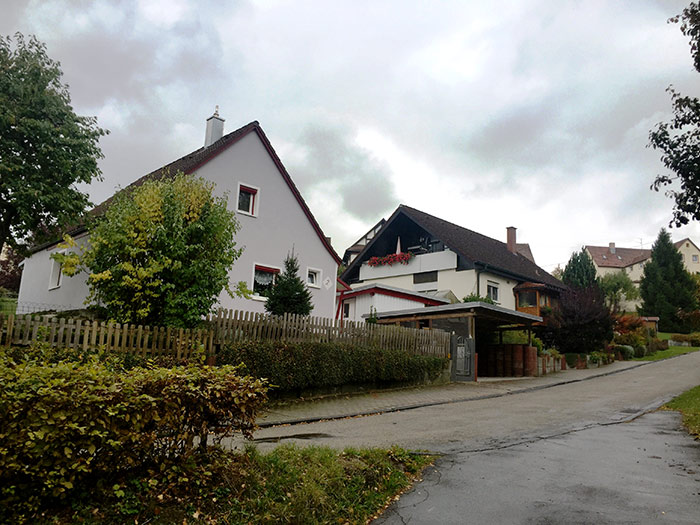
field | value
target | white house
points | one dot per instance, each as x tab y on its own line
274	220
420	253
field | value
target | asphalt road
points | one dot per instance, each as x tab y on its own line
588	452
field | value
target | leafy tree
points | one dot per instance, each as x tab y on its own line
289	295
667	289
580	271
580	323
161	254
616	287
10	271
679	140
45	148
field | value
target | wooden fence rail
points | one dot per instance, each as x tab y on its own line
224	327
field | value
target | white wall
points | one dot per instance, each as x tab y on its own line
35	291
279	226
426	262
363	304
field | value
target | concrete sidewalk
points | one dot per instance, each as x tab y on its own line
338	407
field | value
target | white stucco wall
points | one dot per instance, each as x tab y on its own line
35	290
279	227
688	250
363	304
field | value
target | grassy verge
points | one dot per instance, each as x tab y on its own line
671	352
8	305
688	404
287	485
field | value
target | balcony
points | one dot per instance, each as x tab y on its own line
427	262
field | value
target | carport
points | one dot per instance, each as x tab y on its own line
470	325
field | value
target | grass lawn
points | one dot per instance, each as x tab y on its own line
8	305
663	354
288	485
688	404
664	336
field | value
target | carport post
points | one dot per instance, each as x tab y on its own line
529	334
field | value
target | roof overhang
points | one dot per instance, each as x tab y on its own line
390	291
492	312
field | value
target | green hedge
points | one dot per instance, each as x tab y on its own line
66	423
295	367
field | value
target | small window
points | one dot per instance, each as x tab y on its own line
695	258
526	299
425	277
264	280
55	280
346	310
313	278
492	291
247	198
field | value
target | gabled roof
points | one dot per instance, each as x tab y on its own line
682	241
384	289
623	257
523	249
194	160
475	247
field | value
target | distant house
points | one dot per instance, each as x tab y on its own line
356	303
417	252
273	216
612	259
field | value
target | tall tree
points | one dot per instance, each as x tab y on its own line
679	140
579	271
45	148
289	293
161	254
667	289
10	270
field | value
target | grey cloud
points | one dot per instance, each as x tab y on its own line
362	181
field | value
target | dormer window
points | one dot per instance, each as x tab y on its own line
248	200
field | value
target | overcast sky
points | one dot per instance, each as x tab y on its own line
533	114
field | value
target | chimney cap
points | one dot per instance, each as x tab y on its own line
216	114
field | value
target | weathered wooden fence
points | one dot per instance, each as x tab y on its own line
226	326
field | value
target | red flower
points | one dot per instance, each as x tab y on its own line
389	260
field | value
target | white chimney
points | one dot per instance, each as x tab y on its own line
611	247
510	238
215	128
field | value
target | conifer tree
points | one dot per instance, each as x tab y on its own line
289	293
579	271
667	289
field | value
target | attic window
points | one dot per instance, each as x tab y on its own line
247	200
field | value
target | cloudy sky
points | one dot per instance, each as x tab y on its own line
532	113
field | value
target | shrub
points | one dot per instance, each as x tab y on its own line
626	351
88	421
293	367
693	339
655	345
572	359
635	337
599	357
640	350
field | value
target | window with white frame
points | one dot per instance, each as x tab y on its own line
313	277
55	278
492	291
264	279
695	258
247	199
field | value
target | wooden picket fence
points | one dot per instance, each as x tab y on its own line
226	326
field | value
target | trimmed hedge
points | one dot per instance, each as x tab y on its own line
693	339
626	351
64	424
295	367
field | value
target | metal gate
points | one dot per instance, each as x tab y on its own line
463	351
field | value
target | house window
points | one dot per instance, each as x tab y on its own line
313	278
264	280
346	310
526	299
492	291
425	277
247	200
55	279
695	258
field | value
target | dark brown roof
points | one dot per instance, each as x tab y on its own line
192	161
524	250
473	246
623	257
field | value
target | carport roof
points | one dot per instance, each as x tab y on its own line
471	309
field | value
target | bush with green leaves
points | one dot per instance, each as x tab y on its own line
161	253
296	367
476	298
65	423
626	351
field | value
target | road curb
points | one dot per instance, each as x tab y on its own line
400	408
